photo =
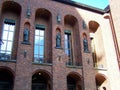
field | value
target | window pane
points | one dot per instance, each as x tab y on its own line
37	32
7	37
41	41
36	49
66	51
69	44
5	34
3	46
8	53
6	26
39	44
36	58
36	39
69	53
2	51
9	46
66	38
66	44
41	58
41	51
41	32
11	27
10	37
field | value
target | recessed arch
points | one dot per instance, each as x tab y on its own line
6	78
43	13
11	6
74	81
44	71
10	13
70	20
84	35
8	69
58	29
76	74
100	80
93	26
43	24
42	79
71	32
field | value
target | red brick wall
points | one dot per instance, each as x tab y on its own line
24	67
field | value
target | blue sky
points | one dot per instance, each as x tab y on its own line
95	3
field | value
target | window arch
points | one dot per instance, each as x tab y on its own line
11	19
43	36
72	40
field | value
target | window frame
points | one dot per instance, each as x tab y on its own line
69	34
40	28
4	53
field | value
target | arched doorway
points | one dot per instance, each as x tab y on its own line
41	81
74	82
6	79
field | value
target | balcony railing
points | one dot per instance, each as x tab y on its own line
41	61
70	63
4	56
99	66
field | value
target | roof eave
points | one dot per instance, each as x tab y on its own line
83	6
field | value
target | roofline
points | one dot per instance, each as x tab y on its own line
83	6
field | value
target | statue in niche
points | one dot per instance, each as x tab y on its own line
58	40
85	44
26	35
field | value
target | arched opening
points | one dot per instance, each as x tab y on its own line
93	26
85	43
6	79
74	82
43	36
71	40
26	33
101	82
9	33
58	38
41	80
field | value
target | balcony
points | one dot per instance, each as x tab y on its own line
6	57
42	61
99	67
73	64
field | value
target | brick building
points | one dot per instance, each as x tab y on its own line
57	45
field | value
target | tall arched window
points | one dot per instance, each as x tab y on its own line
9	33
39	44
72	40
68	45
43	36
7	39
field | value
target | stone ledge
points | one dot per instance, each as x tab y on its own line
14	61
45	64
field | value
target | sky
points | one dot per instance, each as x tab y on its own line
101	4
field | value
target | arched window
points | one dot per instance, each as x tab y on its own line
9	33
39	44
43	36
7	39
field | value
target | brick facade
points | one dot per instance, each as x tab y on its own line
55	73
